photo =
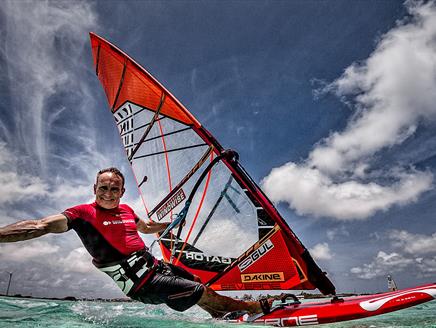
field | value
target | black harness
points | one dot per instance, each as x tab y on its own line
133	272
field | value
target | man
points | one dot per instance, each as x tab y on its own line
109	231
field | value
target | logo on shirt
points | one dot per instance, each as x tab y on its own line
106	223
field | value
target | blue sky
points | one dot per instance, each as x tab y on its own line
330	105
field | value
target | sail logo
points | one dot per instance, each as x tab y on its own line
198	256
175	200
263	277
256	255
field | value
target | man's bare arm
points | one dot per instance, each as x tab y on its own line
29	229
151	226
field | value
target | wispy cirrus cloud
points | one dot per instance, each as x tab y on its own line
49	145
392	93
47	118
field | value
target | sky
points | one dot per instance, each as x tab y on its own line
330	105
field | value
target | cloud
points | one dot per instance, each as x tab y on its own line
334	233
427	266
49	147
48	92
321	252
382	265
315	193
18	187
338	178
416	244
49	144
32	250
14	186
78	260
415	252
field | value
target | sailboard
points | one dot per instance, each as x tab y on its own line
290	314
228	233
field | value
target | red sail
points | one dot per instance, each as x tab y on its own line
234	238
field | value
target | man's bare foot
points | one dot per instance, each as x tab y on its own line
266	304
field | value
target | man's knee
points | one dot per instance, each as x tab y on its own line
207	295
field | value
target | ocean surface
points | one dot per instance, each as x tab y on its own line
18	312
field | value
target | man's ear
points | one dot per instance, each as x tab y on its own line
122	192
95	189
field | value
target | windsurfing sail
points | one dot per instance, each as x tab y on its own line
392	286
232	236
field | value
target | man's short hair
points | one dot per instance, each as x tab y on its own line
112	170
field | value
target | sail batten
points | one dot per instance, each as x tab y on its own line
236	240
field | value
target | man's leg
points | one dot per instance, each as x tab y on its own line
218	305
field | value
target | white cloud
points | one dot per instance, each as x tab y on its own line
43	52
32	250
43	39
78	260
335	232
49	147
427	267
415	252
20	186
393	91
50	150
382	265
416	244
309	191
321	252
15	186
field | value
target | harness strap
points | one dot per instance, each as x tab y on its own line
133	272
144	279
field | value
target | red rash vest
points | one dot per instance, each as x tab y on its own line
108	235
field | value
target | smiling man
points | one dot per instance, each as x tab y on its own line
109	231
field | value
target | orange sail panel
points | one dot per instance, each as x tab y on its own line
234	238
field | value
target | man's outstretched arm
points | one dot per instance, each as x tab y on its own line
29	229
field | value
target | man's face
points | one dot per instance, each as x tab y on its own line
108	190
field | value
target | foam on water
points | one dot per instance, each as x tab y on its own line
30	313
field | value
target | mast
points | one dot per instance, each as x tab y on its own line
9	283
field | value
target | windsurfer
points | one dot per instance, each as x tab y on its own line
109	231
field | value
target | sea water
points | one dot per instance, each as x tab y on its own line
26	313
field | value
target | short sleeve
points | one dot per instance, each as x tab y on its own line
71	214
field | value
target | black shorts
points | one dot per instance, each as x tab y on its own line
171	285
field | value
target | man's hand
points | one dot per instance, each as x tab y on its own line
29	229
151	226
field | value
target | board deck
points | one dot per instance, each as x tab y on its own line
348	308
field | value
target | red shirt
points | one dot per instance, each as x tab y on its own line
108	235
